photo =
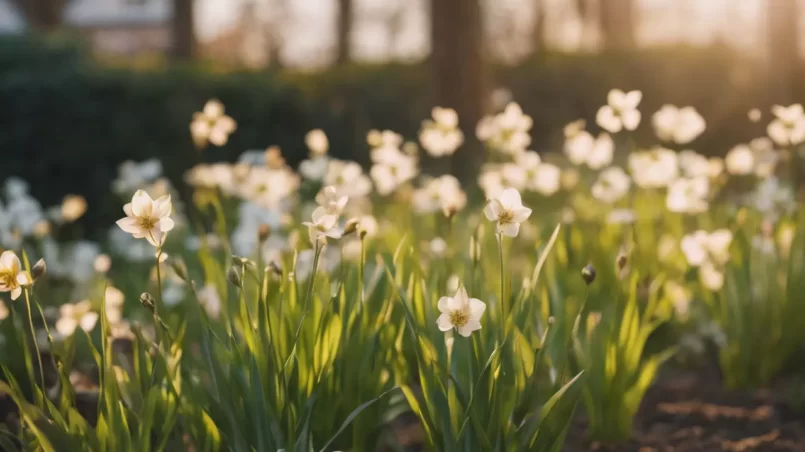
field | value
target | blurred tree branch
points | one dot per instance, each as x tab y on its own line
42	15
617	23
344	29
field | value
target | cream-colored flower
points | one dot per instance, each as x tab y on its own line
73	207
12	277
620	112
442	193
102	263
596	153
754	114
678	125
441	135
114	299
788	126
210	300
73	316
694	165
506	132
688	195
212	125
332	202
574	128
385	138
348	179
702	246
147	218
547	179
613	183
740	160
460	312
655	168
323	225
316	141
507	212
392	169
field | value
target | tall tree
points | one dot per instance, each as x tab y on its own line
458	71
183	39
538	30
344	29
617	24
783	47
41	15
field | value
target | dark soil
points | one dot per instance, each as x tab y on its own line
686	411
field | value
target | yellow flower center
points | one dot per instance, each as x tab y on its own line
8	279
459	318
148	223
507	216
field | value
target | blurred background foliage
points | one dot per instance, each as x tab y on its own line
69	121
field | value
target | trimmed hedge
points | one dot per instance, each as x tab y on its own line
67	123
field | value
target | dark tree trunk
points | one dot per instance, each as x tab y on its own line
617	23
783	49
538	32
458	72
41	15
183	32
344	28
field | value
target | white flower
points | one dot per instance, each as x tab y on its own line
443	193
506	132
212	125
460	312
102	263
392	169
655	168
754	114
613	183
694	165
507	212
385	138
12	277
114	298
620	112
546	180
712	277
348	179
688	195
316	141
323	225
740	160
147	218
331	201
76	315
678	125
788	127
574	128
701	247
437	247
441	136
596	153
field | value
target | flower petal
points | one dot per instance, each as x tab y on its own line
166	224
141	204
509	229
8	259
492	210
510	198
444	305
521	214
129	224
477	308
444	322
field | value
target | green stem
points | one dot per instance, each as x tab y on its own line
503	307
36	343
361	270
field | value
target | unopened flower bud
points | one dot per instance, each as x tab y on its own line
233	276
38	269
621	261
588	274
148	301
351	226
264	232
179	268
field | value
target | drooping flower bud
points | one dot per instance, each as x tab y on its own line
39	269
351	226
233	276
588	274
148	301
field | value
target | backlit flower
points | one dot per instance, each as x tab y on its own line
507	211
709	252
316	141
212	125
441	135
694	164
740	160
677	125
460	312
323	225
506	132
73	207
612	184
688	195
12	277
620	112
331	201
596	153
547	179
788	126
655	168
73	316
147	218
